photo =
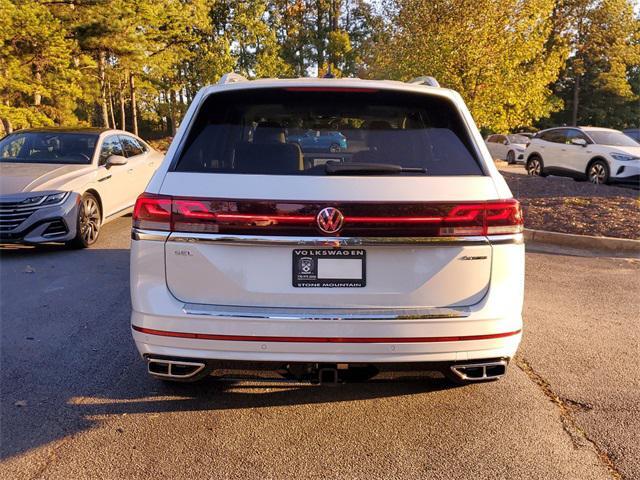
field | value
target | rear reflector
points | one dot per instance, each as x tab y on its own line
261	338
265	217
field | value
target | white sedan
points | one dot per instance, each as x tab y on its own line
62	185
507	147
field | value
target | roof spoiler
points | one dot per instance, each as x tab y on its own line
428	81
231	77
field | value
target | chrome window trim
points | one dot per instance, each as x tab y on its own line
227	239
291	313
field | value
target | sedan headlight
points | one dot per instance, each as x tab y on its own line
55	198
622	157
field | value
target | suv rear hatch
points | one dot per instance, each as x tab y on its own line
396	217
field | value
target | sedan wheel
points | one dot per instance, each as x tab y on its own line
598	173
88	222
334	148
511	157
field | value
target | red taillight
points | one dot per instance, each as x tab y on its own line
152	212
332	89
255	217
504	217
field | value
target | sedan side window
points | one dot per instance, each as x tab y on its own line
110	146
131	146
12	148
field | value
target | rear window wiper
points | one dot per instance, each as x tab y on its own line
353	168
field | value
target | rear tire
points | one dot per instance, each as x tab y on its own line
88	223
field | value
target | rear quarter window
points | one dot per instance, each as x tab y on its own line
300	131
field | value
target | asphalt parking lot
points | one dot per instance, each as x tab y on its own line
76	401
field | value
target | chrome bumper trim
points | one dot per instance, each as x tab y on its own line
290	313
322	241
156	235
222	239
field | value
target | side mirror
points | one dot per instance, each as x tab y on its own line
116	160
579	141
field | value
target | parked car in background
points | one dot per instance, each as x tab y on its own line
62	185
601	155
319	141
507	147
405	250
633	133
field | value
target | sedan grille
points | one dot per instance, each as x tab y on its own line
12	214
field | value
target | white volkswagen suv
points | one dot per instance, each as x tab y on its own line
403	250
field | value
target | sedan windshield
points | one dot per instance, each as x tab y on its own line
614	139
48	147
518	139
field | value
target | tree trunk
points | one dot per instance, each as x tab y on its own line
134	107
7	126
37	96
320	36
123	115
576	100
6	123
113	114
171	123
102	74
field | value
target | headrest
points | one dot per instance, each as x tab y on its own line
269	132
379	125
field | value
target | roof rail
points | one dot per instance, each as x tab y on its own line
231	78
429	81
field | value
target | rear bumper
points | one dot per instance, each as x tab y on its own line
151	342
165	326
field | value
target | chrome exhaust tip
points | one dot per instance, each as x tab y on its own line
481	371
178	369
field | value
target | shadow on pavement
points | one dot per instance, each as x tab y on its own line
69	362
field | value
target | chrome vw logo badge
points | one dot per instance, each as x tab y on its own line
330	220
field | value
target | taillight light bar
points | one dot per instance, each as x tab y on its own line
180	214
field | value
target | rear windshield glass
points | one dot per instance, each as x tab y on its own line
309	132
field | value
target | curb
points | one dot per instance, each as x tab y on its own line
583	242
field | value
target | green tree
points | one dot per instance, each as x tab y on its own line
495	54
39	67
597	85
